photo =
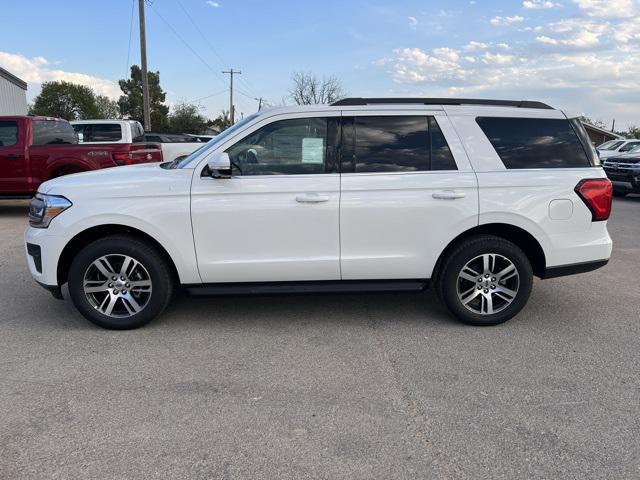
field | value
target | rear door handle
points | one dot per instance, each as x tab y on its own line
448	195
312	198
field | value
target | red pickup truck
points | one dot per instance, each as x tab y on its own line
35	149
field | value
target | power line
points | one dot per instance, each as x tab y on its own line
175	32
133	4
210	45
209	96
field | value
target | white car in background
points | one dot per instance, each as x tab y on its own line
616	147
128	131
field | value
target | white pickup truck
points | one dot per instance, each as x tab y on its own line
128	131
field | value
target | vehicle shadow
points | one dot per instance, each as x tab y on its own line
14	208
369	309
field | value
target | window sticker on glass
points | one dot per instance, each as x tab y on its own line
312	150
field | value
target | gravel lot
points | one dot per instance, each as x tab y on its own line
340	386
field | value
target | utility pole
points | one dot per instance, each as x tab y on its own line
260	104
232	112
143	61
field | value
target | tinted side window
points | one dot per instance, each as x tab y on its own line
53	132
534	142
629	146
105	132
441	157
286	147
392	144
137	132
396	144
8	133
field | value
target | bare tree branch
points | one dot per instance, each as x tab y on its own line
308	89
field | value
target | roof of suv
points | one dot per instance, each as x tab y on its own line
459	106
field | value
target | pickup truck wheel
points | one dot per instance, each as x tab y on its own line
119	282
486	280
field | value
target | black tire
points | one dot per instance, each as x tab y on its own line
466	251
620	193
117	246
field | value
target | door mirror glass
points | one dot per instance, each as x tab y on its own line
220	165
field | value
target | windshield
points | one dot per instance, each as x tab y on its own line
215	141
611	146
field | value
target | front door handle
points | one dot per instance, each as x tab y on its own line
312	198
448	195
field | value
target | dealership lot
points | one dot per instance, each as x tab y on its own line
337	386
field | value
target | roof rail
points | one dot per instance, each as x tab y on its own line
440	101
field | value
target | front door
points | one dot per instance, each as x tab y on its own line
277	217
13	173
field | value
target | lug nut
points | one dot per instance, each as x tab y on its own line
479	287
115	292
124	292
111	285
114	278
486	275
493	287
486	290
127	285
122	278
493	279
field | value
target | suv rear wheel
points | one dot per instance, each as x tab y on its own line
485	280
119	282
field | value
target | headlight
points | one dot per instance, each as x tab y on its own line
45	208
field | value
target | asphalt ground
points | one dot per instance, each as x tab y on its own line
325	386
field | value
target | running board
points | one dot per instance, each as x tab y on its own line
274	288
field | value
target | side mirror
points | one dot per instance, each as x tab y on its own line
220	165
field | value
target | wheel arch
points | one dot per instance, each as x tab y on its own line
517	235
94	233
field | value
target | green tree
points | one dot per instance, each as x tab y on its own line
221	122
107	108
131	100
65	100
185	118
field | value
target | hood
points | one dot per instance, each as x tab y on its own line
118	182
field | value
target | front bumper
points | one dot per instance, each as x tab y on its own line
43	250
624	179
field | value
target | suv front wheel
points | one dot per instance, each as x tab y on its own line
119	282
485	280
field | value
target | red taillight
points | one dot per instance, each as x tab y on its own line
122	158
597	194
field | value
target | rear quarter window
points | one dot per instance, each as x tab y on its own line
53	132
536	142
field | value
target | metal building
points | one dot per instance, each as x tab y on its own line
13	94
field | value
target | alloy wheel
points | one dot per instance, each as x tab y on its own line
117	285
488	284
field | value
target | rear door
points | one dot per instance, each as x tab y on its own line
407	189
13	168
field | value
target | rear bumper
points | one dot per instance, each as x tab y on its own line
573	268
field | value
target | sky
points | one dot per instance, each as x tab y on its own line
582	56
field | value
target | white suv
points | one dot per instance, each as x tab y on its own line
473	196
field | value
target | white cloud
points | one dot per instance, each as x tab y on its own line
212	4
535	4
473	46
506	20
36	70
413	22
608	8
497	59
